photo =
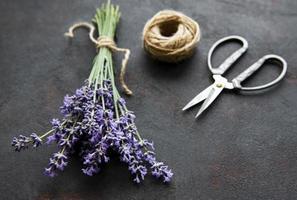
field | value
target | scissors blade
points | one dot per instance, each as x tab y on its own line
215	91
200	97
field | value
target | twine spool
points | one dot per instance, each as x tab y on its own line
170	36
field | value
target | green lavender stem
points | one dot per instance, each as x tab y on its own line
106	19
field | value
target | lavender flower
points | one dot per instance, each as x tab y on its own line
95	120
36	140
161	170
55	123
57	162
21	142
99	128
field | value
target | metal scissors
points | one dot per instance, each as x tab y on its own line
212	92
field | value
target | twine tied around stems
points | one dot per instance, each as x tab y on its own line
104	41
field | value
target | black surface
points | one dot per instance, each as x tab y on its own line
244	147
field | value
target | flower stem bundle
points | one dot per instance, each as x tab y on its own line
96	120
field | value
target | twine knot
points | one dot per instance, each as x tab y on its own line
170	36
104	41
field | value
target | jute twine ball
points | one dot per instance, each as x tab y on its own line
170	36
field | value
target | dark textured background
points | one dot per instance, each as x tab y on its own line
244	147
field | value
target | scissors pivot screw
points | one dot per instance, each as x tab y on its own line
219	85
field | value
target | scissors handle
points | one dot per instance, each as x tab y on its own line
231	59
257	65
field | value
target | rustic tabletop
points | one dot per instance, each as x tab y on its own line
243	147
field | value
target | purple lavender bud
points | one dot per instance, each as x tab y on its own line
109	114
142	170
99	114
57	162
74	139
61	165
21	142
60	156
68	100
112	125
64	142
90	171
36	140
49	171
87	161
161	170
148	144
55	123
101	91
61	161
138	152
79	92
131	116
125	155
122	102
138	170
123	120
149	156
51	139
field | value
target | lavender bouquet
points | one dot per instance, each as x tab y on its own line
96	120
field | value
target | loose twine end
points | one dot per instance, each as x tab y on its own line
68	34
104	41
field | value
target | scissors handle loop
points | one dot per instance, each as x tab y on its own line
257	65
231	59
